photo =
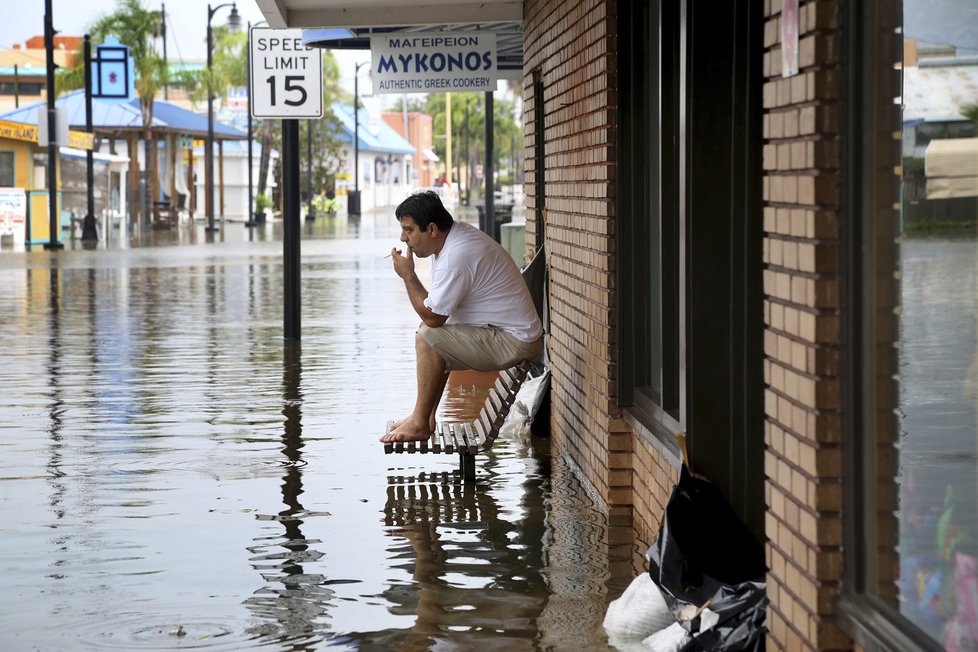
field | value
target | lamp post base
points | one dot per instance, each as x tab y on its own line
89	232
353	203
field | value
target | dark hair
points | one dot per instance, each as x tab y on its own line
424	208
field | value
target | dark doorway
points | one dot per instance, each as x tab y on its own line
691	234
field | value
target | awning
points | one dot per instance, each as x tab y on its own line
430	155
951	168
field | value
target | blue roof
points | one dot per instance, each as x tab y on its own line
189	122
104	114
107	115
376	136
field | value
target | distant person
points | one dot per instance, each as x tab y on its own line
477	315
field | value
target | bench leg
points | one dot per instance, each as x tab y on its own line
466	464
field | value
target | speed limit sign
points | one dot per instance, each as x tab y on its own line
286	76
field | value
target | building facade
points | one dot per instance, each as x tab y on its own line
416	128
718	191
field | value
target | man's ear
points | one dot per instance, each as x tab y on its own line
432	229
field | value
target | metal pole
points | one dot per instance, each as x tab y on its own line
250	221
89	232
356	130
16	87
166	88
468	161
291	227
311	212
353	201
54	220
490	187
209	153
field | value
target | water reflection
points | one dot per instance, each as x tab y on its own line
293	606
475	574
168	466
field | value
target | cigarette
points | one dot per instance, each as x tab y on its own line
387	256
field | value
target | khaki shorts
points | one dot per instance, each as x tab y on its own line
481	349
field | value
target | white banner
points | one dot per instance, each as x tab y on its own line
13	214
432	62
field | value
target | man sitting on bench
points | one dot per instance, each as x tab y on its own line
478	314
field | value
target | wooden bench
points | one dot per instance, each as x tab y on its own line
467	439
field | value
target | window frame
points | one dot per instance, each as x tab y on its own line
650	371
865	616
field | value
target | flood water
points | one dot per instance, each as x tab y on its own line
174	475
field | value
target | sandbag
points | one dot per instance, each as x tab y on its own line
640	611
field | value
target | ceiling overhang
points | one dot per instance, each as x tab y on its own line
308	14
342	25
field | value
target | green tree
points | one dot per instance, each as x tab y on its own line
229	67
970	111
507	131
137	27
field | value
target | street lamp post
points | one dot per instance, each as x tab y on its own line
251	200
353	205
251	211
311	210
468	161
54	220
234	22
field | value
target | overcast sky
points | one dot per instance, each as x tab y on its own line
186	24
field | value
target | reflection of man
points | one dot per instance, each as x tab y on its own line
478	314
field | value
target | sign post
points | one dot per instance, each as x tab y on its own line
286	81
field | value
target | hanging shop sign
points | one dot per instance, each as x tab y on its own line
432	62
29	133
113	79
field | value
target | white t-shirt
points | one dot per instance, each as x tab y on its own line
476	282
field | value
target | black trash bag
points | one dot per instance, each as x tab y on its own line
704	553
742	610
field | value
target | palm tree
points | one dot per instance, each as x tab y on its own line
137	27
970	111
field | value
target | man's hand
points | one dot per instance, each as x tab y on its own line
403	265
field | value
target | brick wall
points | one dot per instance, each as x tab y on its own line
803	464
570	47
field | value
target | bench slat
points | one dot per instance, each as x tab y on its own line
486	439
463	438
509	377
502	388
454	444
502	407
438	439
475	437
388	445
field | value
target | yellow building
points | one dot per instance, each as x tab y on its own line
23	174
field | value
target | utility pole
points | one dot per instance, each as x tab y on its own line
54	220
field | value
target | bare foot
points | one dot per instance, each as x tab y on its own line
394	425
408	430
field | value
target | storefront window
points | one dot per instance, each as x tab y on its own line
6	169
912	318
937	356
